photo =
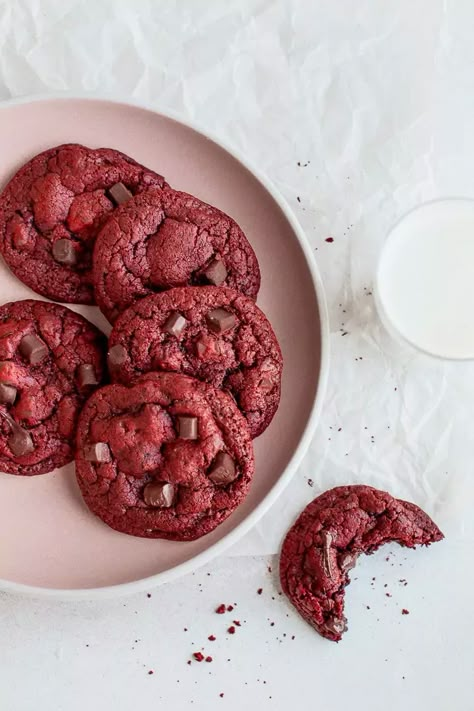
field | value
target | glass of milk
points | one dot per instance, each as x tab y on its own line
425	279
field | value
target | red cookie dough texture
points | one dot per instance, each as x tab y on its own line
51	210
165	239
214	334
50	361
326	540
150	478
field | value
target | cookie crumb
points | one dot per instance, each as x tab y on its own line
310	482
148	595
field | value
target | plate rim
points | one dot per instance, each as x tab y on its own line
197	561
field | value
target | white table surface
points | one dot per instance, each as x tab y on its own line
357	111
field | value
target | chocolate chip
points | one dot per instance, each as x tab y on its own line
265	384
220	320
7	394
33	349
97	452
20	442
64	252
337	625
159	494
216	273
175	324
187	427
208	347
327	542
347	561
116	356
86	376
119	193
223	470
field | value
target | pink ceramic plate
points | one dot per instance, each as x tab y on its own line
49	542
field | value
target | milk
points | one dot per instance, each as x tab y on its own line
425	280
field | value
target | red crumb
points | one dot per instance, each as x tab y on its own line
231	629
208	659
148	594
221	695
388	594
269	568
189	661
329	239
236	622
151	671
221	609
230	608
211	638
198	656
259	591
405	611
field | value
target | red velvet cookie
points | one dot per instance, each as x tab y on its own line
211	333
169	457
326	540
51	210
50	360
164	239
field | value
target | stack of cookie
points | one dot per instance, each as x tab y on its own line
165	450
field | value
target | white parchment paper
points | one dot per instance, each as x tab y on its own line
357	111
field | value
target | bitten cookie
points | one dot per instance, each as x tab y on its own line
51	359
51	210
328	537
164	239
214	334
169	457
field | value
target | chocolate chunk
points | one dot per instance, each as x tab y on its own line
265	384
220	320
347	561
187	427
216	273
86	376
223	470
20	441
336	625
119	193
208	347
116	356
64	252
175	324
33	349
327	542
159	494
97	452
7	394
